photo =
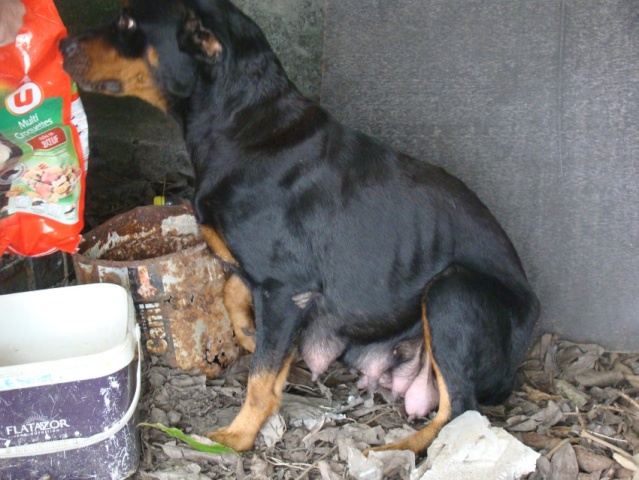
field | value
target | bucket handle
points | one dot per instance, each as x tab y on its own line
57	446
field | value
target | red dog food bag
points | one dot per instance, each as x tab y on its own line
44	146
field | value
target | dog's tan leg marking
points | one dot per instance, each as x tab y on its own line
237	297
238	302
419	441
263	398
218	245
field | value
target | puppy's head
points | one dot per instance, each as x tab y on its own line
151	50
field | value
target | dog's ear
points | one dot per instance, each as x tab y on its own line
197	40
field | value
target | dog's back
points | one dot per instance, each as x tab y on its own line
349	249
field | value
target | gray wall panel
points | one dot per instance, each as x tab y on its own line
535	106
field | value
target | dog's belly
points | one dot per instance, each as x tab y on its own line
398	363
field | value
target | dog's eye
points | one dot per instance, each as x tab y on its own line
127	23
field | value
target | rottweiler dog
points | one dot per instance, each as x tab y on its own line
342	248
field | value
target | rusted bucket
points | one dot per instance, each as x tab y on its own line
157	254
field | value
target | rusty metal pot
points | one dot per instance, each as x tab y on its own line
157	254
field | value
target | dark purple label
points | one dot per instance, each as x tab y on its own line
65	410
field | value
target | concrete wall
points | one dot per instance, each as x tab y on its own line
295	29
534	104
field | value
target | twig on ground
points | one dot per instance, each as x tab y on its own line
557	447
614	448
629	399
314	464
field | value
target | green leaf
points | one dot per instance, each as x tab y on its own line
216	448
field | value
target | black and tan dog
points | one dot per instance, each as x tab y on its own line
349	250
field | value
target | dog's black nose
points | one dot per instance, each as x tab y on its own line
67	46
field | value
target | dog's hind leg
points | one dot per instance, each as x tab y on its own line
237	297
239	305
279	320
470	320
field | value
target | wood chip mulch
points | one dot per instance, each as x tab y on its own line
576	404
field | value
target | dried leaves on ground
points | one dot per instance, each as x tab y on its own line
576	404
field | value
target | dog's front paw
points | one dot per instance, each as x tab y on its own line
238	441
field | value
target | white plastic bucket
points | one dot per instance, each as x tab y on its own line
69	384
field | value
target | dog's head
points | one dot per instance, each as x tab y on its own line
154	49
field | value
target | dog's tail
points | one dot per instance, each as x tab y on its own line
419	441
476	331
